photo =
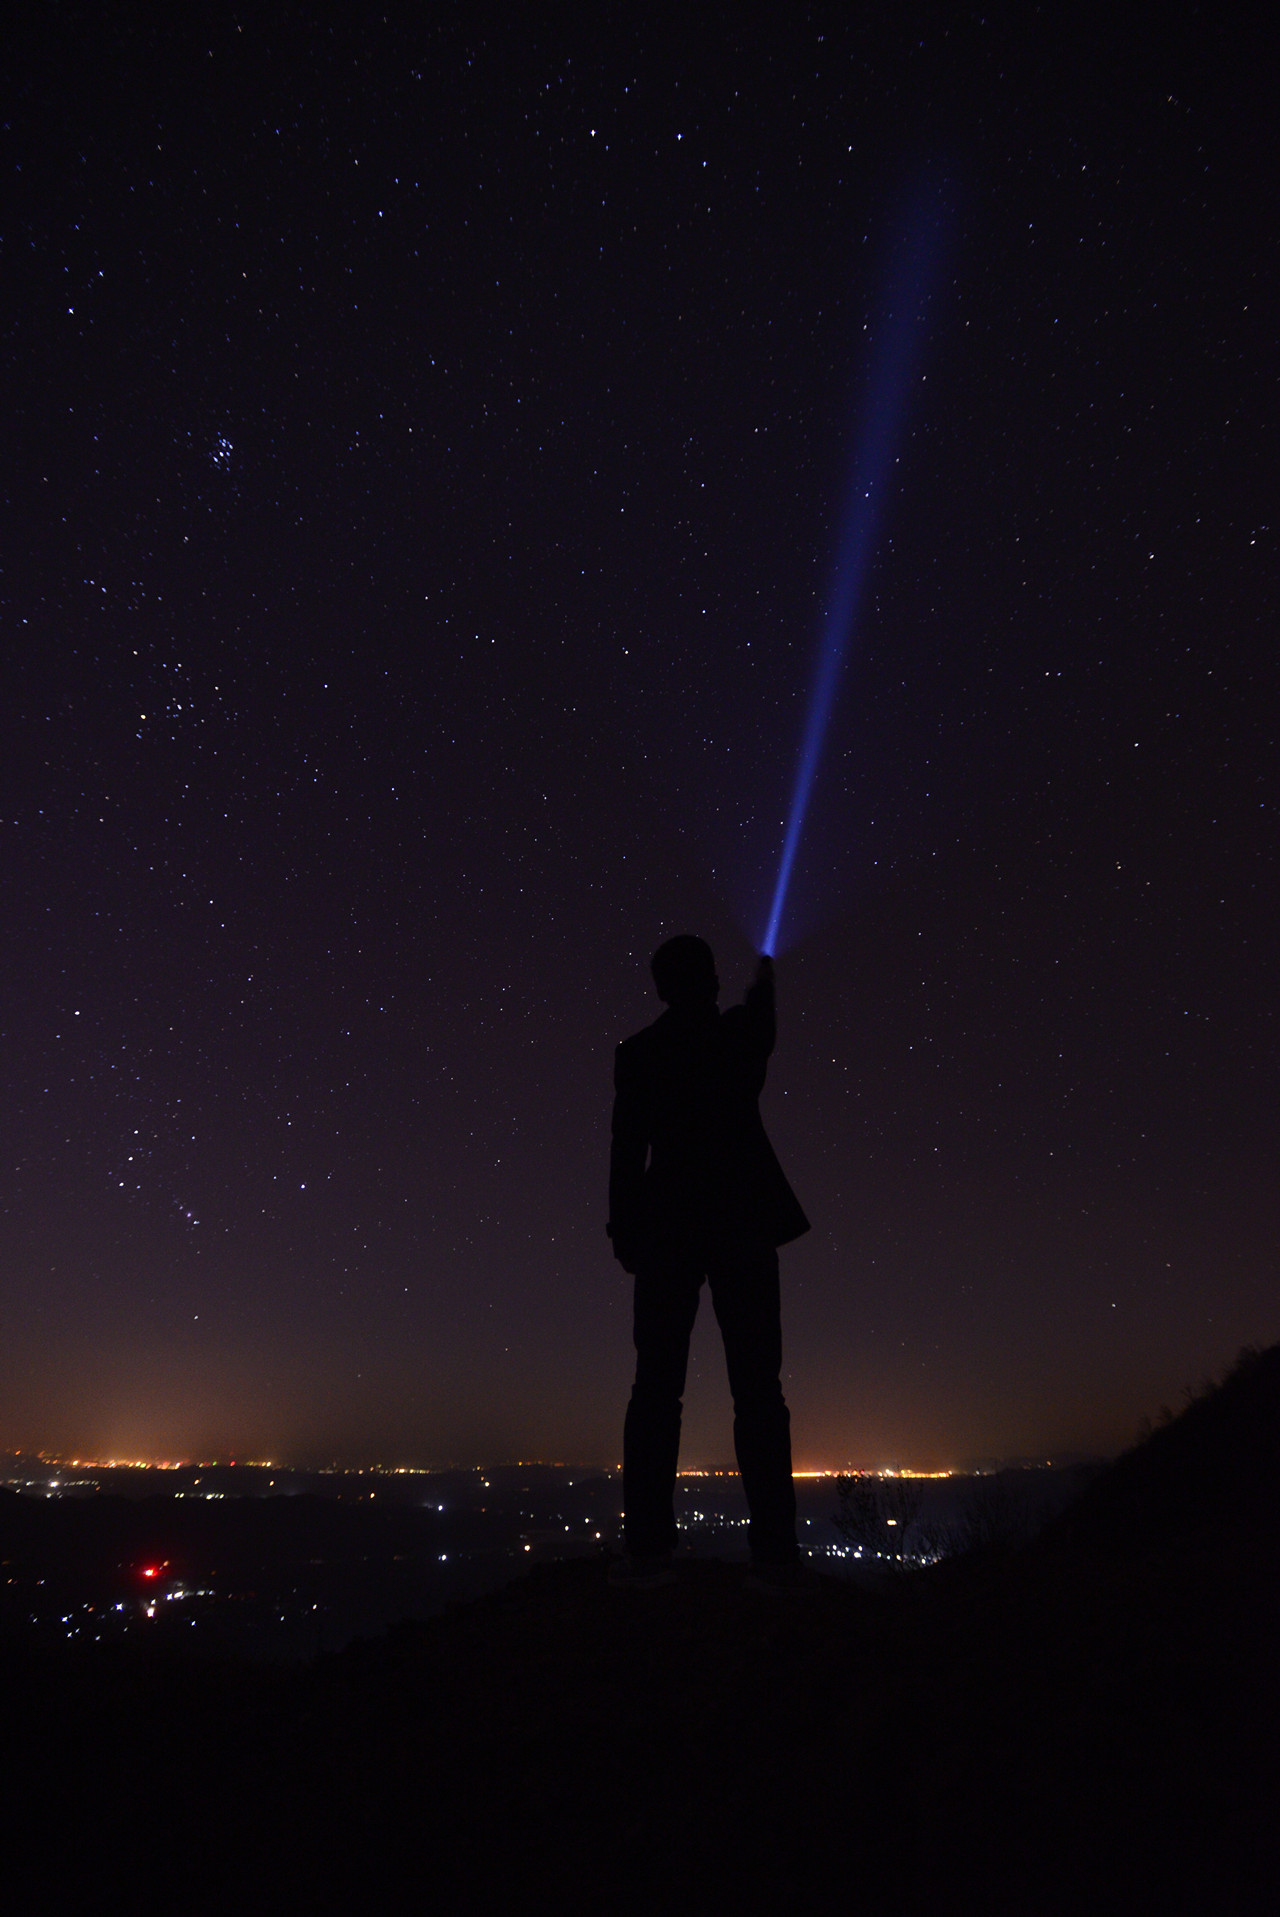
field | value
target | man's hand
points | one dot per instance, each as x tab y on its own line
760	991
622	1251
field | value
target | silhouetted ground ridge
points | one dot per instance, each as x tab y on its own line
1086	1724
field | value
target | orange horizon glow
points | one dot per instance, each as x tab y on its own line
807	1473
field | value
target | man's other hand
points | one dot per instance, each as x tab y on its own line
622	1251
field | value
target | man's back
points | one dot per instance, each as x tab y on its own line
691	1162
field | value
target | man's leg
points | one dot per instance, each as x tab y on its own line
666	1304
748	1306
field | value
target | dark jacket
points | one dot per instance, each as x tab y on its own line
691	1165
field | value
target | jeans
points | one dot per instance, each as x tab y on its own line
746	1297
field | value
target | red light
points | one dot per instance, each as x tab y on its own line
150	1571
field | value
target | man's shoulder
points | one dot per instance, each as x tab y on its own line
640	1044
671	1048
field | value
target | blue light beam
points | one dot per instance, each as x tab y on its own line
897	356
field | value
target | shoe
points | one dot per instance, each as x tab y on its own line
792	1579
642	1573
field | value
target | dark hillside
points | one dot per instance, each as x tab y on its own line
1087	1725
1207	1481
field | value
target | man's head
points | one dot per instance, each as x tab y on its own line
684	972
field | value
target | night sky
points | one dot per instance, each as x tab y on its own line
426	447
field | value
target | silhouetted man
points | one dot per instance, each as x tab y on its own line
696	1192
